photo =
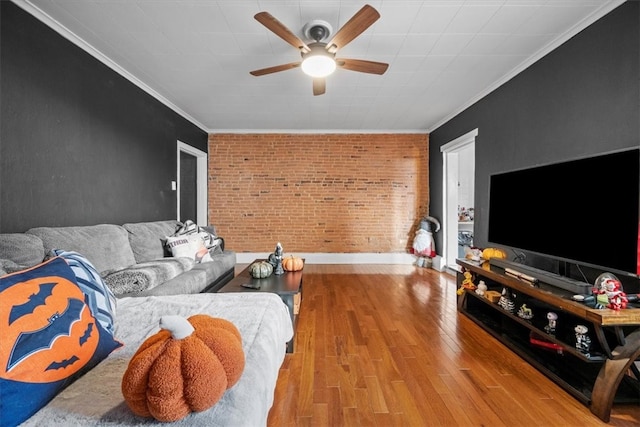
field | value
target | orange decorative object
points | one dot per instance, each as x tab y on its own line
489	253
69	350
292	263
185	367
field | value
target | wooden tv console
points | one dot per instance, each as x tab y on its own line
607	375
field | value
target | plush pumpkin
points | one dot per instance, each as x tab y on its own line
185	367
292	263
489	253
260	269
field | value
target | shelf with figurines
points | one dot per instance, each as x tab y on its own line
564	333
587	345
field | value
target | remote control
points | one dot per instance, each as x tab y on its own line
251	285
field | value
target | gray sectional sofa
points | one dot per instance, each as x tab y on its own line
131	258
67	341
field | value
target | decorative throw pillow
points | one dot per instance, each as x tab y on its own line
189	246
100	298
50	337
212	241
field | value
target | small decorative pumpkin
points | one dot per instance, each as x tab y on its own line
489	253
185	367
260	269
292	263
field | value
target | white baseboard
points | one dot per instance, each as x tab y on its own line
341	258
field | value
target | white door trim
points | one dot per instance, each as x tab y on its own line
450	152
201	181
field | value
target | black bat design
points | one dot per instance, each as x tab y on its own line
63	364
35	300
87	334
59	324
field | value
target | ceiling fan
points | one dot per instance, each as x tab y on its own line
319	58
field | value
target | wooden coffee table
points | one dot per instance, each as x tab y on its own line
288	286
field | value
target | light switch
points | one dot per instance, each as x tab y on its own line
174	186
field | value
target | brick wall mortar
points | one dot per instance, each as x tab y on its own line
335	193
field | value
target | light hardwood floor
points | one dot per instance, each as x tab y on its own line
383	345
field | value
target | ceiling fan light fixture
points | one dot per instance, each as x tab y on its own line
318	65
318	62
318	58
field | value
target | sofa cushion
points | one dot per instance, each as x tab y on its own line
7	266
147	239
50	337
106	246
220	263
23	249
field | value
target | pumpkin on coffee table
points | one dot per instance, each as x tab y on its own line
186	367
292	263
260	269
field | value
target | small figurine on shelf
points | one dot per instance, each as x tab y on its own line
275	259
583	342
609	292
617	298
551	326
482	288
467	283
525	312
506	301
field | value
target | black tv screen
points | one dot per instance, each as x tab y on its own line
584	211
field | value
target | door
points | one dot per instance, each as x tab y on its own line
192	184
458	158
188	187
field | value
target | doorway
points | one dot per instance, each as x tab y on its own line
458	158
192	184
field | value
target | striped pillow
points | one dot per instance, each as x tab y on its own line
100	298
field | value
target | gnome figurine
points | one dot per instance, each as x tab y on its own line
275	259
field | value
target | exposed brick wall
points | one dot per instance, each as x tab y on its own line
333	193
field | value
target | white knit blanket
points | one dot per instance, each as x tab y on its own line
264	323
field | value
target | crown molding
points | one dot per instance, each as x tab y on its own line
72	37
75	39
554	44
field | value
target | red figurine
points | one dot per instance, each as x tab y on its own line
612	288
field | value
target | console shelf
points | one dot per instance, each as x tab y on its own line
605	375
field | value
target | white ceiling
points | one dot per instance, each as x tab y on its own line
195	56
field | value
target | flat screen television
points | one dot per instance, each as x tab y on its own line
583	211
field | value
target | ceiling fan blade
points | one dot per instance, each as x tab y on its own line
319	85
353	28
279	29
275	69
362	66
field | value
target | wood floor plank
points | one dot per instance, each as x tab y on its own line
363	406
376	395
413	416
384	345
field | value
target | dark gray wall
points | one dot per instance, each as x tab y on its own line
581	99
79	144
